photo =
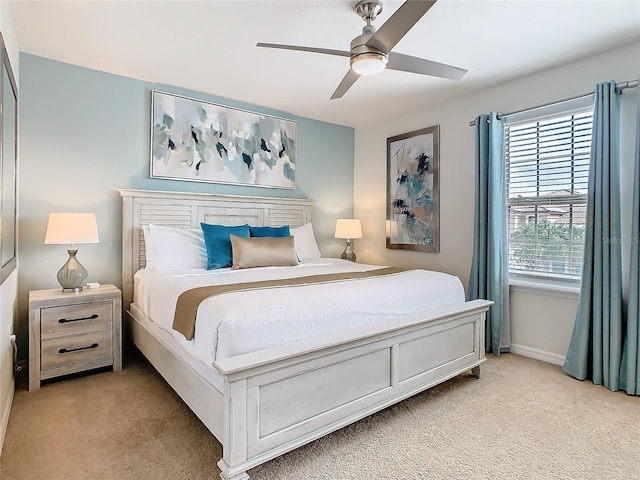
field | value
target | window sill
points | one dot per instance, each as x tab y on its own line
546	288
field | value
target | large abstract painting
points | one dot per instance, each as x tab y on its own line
413	192
200	141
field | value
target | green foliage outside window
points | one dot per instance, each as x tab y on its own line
544	246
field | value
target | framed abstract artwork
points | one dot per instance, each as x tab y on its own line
199	141
413	190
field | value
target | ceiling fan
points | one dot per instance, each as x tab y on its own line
371	52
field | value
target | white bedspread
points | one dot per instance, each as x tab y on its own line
242	322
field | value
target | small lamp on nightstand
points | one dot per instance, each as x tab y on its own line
71	228
348	229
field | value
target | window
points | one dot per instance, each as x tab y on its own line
547	167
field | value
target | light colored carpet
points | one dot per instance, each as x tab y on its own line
522	420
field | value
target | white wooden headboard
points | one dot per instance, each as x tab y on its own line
188	210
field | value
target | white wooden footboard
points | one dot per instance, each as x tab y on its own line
279	399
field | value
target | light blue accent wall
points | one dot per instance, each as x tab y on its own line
85	133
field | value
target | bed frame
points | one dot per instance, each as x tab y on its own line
278	399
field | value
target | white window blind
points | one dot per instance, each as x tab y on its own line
547	162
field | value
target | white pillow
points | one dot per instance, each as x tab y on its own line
305	242
170	248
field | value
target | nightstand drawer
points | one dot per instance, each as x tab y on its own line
73	319
78	348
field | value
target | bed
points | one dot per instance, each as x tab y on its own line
266	402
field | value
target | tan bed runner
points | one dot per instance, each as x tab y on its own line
184	319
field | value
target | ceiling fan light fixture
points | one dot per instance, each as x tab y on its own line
371	63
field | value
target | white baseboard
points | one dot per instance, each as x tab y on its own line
5	416
537	354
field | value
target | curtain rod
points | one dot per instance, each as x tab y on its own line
620	86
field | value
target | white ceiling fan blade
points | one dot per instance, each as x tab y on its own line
407	63
390	33
348	80
327	51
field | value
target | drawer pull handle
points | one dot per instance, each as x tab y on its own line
67	320
69	350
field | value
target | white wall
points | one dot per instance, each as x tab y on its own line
9	289
8	297
541	324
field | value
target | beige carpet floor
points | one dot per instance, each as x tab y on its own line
523	419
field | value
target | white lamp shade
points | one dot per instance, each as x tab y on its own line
71	228
348	228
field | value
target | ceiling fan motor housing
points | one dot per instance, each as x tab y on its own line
360	50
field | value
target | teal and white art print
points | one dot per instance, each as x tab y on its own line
413	192
200	141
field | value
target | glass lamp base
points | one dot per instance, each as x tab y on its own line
348	253
72	290
72	276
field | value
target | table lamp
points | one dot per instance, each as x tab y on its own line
71	228
349	229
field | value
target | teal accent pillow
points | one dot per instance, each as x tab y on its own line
218	243
270	231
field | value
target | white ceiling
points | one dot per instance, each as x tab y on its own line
209	46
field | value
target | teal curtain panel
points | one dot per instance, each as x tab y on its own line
596	344
489	277
630	368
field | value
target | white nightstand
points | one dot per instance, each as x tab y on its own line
73	332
